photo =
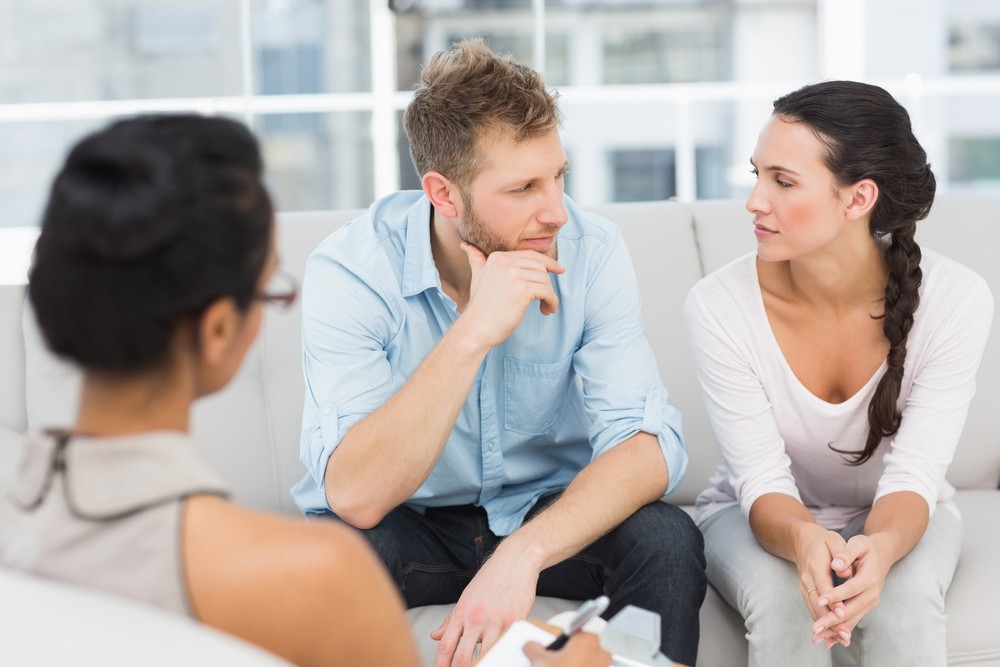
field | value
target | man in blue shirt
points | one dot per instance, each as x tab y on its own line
480	398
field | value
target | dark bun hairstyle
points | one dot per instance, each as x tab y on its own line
148	222
867	134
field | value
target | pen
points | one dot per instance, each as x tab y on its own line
587	611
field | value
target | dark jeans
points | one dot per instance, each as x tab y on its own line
654	560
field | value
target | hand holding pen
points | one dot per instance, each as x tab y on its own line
588	610
582	650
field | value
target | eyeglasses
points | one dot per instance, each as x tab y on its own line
281	289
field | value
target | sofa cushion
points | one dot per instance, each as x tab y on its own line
52	385
973	615
723	231
12	408
49	624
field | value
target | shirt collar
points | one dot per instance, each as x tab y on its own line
419	271
110	477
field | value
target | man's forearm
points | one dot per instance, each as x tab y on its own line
605	493
386	456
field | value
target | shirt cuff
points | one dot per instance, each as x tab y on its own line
657	419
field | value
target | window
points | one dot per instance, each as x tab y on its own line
711	162
292	70
643	174
170	30
974	47
975	160
323	82
519	45
664	56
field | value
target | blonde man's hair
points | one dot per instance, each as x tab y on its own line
465	93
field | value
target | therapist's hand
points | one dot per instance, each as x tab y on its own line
502	592
582	650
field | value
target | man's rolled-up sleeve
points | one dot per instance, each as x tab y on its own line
347	324
623	391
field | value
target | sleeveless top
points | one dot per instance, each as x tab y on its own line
106	512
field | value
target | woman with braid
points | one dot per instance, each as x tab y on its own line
837	364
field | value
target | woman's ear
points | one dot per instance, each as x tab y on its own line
863	194
443	193
218	329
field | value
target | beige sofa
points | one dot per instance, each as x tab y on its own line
252	428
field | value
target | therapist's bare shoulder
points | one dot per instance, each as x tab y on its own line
283	583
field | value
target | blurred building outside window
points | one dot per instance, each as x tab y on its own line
662	98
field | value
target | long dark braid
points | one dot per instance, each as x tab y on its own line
901	300
868	136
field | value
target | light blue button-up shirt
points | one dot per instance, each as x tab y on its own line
559	392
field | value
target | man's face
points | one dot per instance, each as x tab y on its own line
515	202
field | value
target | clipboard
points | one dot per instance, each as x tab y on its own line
509	649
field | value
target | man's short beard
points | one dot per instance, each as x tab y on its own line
474	231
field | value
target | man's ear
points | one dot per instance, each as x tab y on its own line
443	193
863	194
217	329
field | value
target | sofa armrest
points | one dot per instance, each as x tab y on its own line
48	623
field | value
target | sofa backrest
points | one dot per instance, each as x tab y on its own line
660	238
251	429
964	227
12	408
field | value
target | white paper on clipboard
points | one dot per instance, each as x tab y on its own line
509	649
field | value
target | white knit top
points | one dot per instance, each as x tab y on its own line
774	433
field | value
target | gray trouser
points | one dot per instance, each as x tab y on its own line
906	628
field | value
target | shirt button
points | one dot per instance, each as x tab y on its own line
491	446
326	410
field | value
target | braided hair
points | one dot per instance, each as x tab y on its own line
867	135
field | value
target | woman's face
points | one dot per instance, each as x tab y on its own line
796	203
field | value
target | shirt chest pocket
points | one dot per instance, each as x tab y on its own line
535	394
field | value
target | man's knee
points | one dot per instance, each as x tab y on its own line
664	530
382	537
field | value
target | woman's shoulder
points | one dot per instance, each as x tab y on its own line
238	562
947	283
284	583
276	546
733	284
